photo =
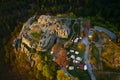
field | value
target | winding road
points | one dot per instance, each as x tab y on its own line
86	55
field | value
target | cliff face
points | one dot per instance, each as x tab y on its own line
41	33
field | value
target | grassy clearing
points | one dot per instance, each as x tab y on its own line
36	35
81	74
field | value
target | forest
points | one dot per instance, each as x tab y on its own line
13	13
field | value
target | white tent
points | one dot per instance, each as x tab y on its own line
85	67
72	56
79	59
71	67
76	52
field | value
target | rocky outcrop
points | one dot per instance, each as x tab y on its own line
41	33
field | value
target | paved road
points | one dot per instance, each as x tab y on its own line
86	55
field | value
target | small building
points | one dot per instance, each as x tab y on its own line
62	59
79	59
68	53
85	67
81	66
51	52
75	61
80	37
76	52
90	32
71	67
76	40
72	51
53	59
72	56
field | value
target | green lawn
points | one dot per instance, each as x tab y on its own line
81	74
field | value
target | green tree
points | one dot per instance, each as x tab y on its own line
40	66
47	72
61	75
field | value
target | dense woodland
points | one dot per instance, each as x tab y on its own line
13	13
